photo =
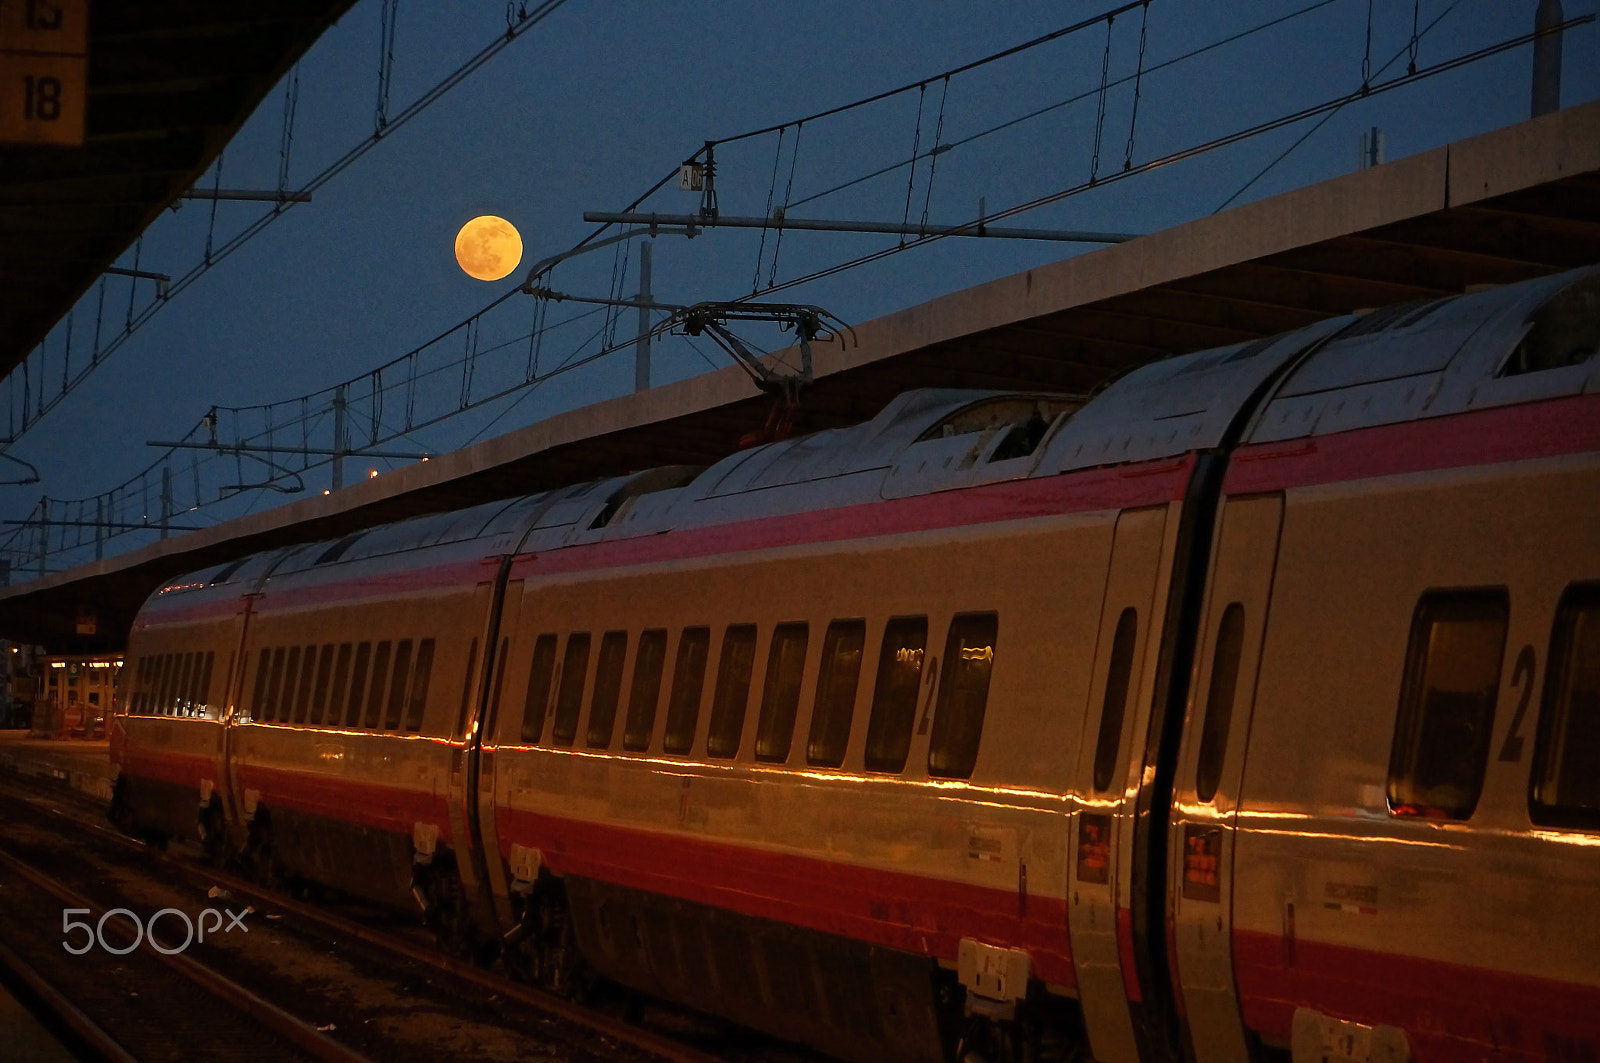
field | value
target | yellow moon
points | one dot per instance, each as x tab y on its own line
488	247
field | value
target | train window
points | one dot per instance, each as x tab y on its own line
492	716
291	670
152	674
169	683
466	686
203	687
1219	701
397	685
1441	735
302	701
1565	331
319	693
180	686
358	685
337	696
158	683
1114	704
189	697
894	693
645	690
780	692
732	694
419	684
163	684
197	686
151	682
380	672
837	677
607	689
569	692
174	698
963	694
1565	788
688	681
274	686
539	675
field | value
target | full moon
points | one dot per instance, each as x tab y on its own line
488	247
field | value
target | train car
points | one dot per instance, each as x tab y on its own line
169	737
1386	826
1151	725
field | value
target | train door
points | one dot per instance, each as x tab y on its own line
1210	767
1106	784
233	712
488	743
463	809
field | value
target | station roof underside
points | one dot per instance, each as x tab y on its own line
1515	203
168	85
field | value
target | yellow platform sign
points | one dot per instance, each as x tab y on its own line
44	46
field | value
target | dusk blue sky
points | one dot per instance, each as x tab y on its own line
599	101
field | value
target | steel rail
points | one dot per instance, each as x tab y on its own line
293	1029
78	1026
661	1047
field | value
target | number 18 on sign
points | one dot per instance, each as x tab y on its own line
44	48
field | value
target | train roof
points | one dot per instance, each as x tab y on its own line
1516	343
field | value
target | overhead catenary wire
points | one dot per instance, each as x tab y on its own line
328	173
1078	97
574	361
1411	69
1187	153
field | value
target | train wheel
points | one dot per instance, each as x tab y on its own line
560	967
437	888
259	860
214	839
120	814
543	949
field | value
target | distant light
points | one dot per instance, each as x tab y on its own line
324	492
424	457
371	474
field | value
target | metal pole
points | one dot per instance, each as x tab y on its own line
641	353
340	443
99	527
44	531
166	498
1547	58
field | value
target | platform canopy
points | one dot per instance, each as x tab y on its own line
168	85
1512	204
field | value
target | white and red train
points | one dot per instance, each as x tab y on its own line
1248	708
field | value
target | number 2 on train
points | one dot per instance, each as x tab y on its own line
1522	677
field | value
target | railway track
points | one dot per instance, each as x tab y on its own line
463	1009
226	1022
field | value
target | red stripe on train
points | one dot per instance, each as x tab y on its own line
1481	437
180	769
395	809
1451	1013
898	910
1113	488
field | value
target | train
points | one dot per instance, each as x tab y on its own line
1245	709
